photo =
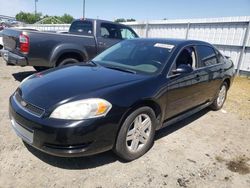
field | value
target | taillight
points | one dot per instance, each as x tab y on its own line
24	43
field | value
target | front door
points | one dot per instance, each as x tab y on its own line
184	90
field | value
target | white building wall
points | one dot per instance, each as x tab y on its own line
228	34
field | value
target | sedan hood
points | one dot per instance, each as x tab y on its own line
48	88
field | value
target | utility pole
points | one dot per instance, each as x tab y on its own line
83	12
35	7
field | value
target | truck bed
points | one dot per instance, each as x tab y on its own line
42	44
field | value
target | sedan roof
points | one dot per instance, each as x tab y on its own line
176	42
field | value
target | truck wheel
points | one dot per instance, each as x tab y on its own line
67	61
136	135
39	69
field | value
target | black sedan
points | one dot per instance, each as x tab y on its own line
119	99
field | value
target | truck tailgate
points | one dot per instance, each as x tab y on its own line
11	39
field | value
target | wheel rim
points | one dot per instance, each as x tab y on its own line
222	95
138	133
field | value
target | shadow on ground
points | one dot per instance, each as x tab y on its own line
20	76
75	163
107	157
174	127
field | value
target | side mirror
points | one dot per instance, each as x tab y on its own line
182	69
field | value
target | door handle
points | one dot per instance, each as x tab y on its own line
102	43
197	77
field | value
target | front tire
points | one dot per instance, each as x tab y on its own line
136	135
220	97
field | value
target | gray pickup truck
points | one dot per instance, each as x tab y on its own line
86	38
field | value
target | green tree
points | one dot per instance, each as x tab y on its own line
120	20
131	20
66	18
29	18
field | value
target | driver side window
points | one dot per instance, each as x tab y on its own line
186	57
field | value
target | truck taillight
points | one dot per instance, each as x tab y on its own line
24	43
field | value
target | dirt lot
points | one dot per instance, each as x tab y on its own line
209	149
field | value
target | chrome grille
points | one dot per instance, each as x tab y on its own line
29	107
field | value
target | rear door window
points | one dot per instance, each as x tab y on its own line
127	33
206	55
110	31
82	27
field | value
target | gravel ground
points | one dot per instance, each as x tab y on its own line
209	149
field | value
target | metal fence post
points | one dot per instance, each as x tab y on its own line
146	29
243	49
187	31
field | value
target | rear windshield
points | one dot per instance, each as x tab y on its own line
140	56
82	27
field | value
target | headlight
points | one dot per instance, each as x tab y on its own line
82	109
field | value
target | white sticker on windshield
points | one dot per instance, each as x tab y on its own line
167	46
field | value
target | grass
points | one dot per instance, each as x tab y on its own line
238	99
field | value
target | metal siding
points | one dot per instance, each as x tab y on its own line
232	52
167	31
226	33
246	61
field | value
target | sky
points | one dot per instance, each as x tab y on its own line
137	9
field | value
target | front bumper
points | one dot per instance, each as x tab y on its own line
61	137
13	59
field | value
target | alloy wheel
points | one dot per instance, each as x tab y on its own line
138	133
222	95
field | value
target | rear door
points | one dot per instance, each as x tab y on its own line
210	69
110	34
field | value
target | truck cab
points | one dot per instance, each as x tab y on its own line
85	39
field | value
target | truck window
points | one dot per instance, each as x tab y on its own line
110	31
126	33
82	27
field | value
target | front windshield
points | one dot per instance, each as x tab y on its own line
140	56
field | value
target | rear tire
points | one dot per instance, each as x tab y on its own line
67	61
39	69
136	135
220	97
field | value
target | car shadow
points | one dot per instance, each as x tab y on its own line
74	163
20	76
176	126
108	157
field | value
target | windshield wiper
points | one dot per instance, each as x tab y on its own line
120	69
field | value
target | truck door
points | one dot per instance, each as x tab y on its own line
110	34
